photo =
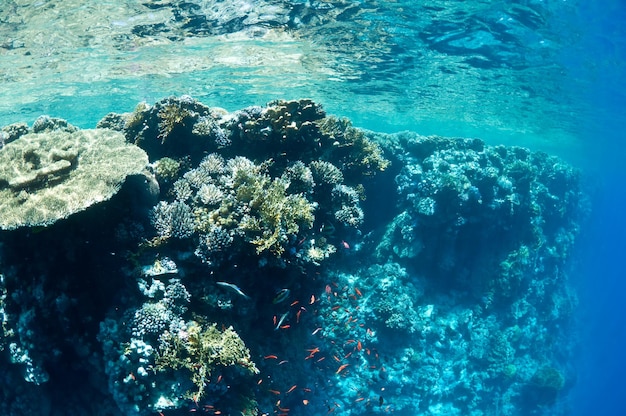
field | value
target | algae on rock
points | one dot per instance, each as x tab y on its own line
45	177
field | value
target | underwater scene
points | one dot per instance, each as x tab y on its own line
320	207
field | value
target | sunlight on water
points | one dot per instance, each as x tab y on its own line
459	69
449	290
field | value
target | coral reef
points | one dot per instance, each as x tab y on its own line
460	196
263	278
160	361
51	173
285	196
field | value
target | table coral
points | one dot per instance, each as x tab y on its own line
48	176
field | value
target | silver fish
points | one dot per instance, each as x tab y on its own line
281	296
281	320
234	288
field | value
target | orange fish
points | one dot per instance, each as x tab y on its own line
270	357
359	346
276	392
357	291
305	402
312	301
292	388
341	368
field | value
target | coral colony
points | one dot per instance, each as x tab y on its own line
275	260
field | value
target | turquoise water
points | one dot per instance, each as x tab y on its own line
548	76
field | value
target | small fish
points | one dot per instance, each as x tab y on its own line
281	295
292	388
234	288
279	325
312	301
305	402
270	357
341	368
316	331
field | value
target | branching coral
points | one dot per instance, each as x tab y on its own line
201	351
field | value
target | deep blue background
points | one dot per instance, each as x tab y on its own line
600	61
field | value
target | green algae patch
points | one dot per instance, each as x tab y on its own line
45	177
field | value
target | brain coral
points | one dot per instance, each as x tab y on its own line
48	176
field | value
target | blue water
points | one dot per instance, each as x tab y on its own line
546	75
600	62
600	280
